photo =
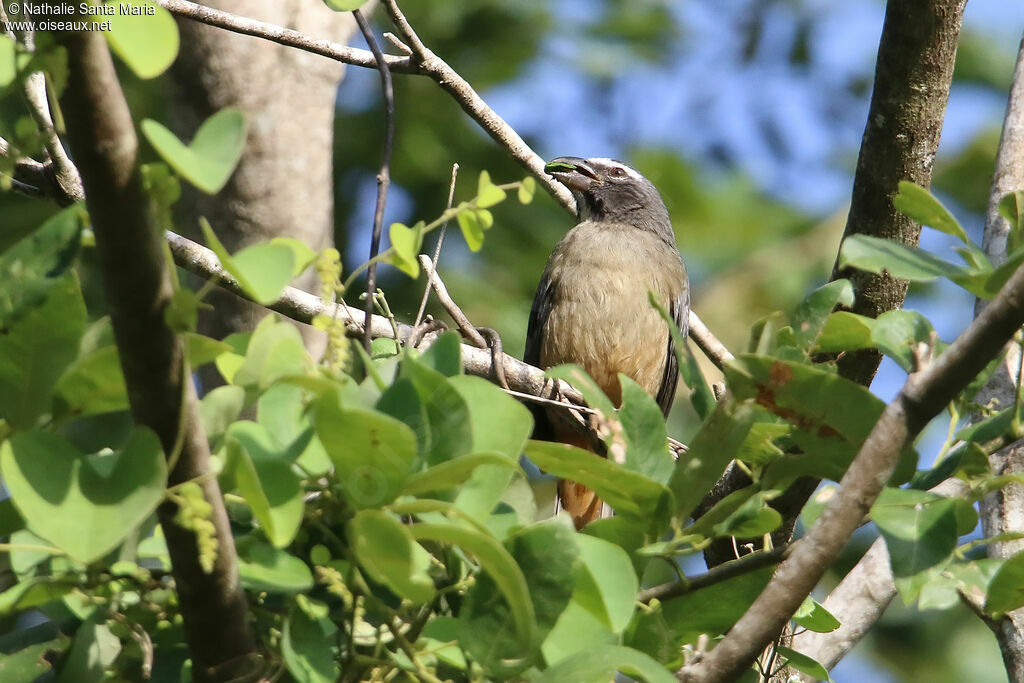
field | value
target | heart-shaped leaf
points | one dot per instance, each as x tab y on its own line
265	478
8	67
263	270
208	161
84	504
472	229
406	243
487	193
344	5
527	188
144	35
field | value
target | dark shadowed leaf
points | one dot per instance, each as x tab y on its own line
84	504
920	531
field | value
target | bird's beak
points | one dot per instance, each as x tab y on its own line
573	172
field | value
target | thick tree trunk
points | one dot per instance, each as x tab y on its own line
284	183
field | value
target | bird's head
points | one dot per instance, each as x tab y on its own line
609	190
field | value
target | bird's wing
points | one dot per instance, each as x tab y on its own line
539	312
679	309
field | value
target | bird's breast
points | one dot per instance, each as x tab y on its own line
600	317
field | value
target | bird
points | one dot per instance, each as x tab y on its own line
592	308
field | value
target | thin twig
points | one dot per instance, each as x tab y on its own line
384	175
425	63
437	247
467	328
729	570
283	36
923	395
708	343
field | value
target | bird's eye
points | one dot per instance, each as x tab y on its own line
618	172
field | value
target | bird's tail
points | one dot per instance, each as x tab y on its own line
581	503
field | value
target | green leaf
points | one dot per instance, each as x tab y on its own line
998	278
578	377
344	5
845	331
94	383
920	531
264	476
487	193
606	583
753	518
453	473
91	655
472	228
310	647
445	355
34	351
263	270
631	494
716	444
31	663
471	415
1011	207
878	255
29	593
1006	590
599	664
714	610
811	315
275	350
646	438
263	567
897	334
813	617
219	408
918	204
527	188
832	415
8	67
145	36
208	161
802	662
386	550
577	630
406	243
373	453
35	264
501	567
84	504
546	553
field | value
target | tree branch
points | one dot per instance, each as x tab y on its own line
384	174
138	289
923	396
1003	510
913	75
424	63
860	599
722	572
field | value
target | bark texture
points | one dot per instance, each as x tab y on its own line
138	288
1003	511
283	186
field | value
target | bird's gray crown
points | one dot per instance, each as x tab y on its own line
607	190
